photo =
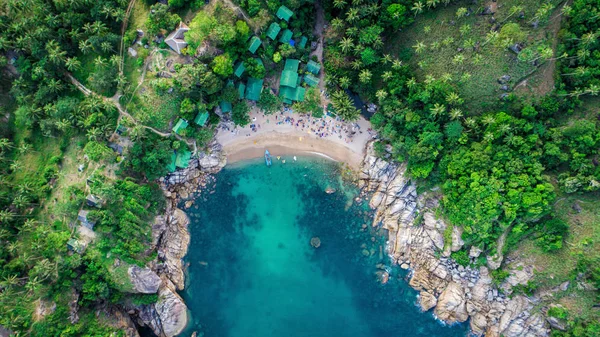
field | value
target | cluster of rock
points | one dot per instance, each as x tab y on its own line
170	237
416	241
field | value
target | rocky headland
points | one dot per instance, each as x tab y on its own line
417	242
170	238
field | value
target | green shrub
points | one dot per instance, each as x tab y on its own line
461	257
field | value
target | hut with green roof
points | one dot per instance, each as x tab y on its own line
254	44
241	88
302	42
183	158
181	125
254	89
313	67
239	69
201	118
284	13
171	165
311	80
286	36
273	31
225	106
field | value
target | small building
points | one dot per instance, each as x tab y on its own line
239	69
116	147
313	67
302	42
93	201
171	165
284	13
241	88
254	89
289	94
201	118
289	79
82	216
286	36
183	158
273	31
311	80
175	40
121	129
225	106
254	44
180	125
76	246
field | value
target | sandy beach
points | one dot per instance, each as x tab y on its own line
288	133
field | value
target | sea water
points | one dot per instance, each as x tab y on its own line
252	271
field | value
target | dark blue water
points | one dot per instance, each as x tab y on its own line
253	272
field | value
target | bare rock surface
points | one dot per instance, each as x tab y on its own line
416	241
144	280
171	310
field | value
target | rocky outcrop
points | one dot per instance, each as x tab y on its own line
173	247
416	241
144	280
171	310
170	237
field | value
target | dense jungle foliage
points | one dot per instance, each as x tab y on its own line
504	159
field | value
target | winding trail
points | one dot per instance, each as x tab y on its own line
114	100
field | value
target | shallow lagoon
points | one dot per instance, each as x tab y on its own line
253	273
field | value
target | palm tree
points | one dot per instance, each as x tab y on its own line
454	99
352	15
419	47
471	122
344	82
356	64
32	285
337	23
465	29
352	31
438	109
411	83
73	64
93	134
5	144
504	128
99	61
339	4
417	8
462	11
432	3
387	75
381	95
387	58
446	77
364	76
458	59
455	113
346	44
85	46
397	64
488	137
55	86
593	90
488	120
20	201
6	216
106	46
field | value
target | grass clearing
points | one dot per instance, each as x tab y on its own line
449	53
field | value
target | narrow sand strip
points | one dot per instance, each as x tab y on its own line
339	141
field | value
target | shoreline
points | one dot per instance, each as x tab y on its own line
289	145
287	133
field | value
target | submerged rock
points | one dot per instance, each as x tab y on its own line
315	242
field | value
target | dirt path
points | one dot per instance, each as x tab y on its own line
122	113
543	76
318	32
238	10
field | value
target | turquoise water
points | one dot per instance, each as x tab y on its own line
253	273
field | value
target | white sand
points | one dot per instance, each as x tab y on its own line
333	140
